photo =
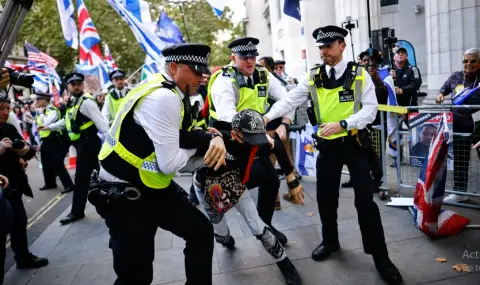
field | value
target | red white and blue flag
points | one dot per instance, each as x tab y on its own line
36	57
109	61
430	189
90	53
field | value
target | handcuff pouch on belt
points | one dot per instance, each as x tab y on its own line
104	193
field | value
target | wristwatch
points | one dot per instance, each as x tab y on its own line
287	126
213	135
344	124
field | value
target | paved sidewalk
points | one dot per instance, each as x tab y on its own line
79	253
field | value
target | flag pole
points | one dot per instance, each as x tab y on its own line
136	71
183	19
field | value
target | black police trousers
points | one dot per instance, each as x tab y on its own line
133	225
330	162
264	176
53	165
87	161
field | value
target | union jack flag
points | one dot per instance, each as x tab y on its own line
36	57
109	61
89	39
430	189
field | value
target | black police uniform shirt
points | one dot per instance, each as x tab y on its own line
10	162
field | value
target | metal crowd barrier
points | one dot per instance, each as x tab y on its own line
465	177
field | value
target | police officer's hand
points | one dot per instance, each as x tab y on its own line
3	181
330	129
215	156
4	78
440	98
42	128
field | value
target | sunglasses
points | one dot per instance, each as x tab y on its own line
472	61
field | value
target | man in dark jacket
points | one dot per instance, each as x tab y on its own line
407	79
14	156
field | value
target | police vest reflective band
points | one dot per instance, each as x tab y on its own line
328	105
46	133
245	98
71	116
148	170
114	105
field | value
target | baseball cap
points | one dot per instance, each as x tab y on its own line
251	124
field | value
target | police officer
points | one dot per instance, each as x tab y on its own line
82	121
344	102
407	79
115	95
244	85
139	159
51	142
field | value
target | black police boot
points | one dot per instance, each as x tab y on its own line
323	251
193	196
30	261
228	241
281	237
387	270
71	218
289	272
69	189
347	184
48	187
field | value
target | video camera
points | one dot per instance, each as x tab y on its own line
10	22
22	79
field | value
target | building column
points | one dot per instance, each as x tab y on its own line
315	13
452	27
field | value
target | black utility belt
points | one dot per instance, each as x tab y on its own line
112	191
322	143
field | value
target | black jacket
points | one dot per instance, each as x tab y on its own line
10	162
409	80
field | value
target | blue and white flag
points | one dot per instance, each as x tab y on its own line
168	31
98	70
391	117
69	28
306	154
147	39
218	6
292	9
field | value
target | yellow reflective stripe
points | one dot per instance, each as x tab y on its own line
128	156
393	109
314	95
86	125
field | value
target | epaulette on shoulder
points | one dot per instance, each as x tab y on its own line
226	68
169	84
317	65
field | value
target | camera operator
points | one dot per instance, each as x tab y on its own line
15	153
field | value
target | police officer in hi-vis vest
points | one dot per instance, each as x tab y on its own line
135	192
343	102
244	85
115	96
50	143
82	121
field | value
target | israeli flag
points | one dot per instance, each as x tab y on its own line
69	28
306	154
147	39
218	6
168	31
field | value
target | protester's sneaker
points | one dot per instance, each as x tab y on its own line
289	272
455	198
227	241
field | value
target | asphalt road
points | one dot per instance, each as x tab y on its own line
43	208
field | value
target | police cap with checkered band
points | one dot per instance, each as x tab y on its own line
194	55
74	77
251	124
246	47
116	74
328	34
